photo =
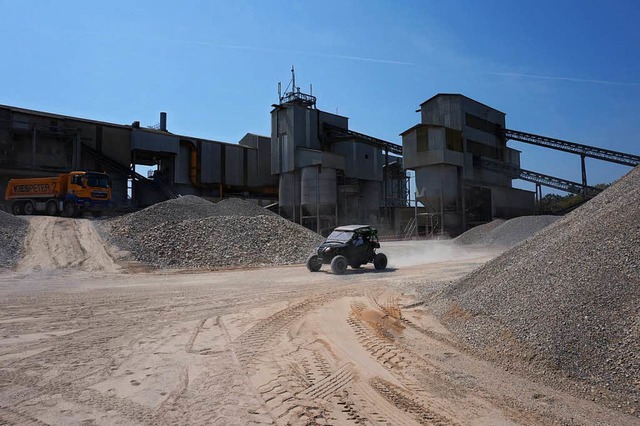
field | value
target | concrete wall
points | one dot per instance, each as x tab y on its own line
436	182
262	167
511	202
362	161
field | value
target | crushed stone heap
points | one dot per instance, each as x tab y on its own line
566	300
190	232
501	233
13	232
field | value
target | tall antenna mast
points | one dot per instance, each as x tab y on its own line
293	79
294	95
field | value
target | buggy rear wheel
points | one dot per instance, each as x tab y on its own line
339	265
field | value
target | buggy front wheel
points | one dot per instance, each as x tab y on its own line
380	261
314	263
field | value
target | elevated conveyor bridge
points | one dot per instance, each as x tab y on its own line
537	178
574	148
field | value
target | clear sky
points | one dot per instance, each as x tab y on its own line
565	69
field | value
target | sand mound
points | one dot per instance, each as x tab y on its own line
566	300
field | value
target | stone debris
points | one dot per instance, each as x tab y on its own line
190	232
13	233
565	302
501	233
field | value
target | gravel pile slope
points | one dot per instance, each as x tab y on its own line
190	232
185	208
564	301
13	232
478	234
508	233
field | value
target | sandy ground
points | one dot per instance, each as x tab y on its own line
84	342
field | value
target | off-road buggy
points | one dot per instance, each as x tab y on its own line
352	245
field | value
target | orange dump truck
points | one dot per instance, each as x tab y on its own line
68	193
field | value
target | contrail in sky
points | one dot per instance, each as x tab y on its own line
572	79
296	52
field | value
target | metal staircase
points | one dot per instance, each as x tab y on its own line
137	177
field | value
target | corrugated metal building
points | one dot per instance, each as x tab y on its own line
441	149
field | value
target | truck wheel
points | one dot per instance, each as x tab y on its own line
16	208
380	261
70	210
52	208
28	208
339	265
314	263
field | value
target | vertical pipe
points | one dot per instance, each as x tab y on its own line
163	121
441	211
415	212
318	200
584	175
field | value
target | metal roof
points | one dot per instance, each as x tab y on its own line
462	96
351	228
121	126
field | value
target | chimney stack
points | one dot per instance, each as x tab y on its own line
163	121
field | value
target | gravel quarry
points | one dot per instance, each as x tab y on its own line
191	312
564	303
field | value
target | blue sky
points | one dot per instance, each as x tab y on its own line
565	69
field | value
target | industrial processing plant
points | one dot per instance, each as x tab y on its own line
313	169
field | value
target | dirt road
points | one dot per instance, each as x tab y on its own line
265	346
57	242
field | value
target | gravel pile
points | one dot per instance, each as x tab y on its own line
13	232
564	303
478	234
190	232
508	233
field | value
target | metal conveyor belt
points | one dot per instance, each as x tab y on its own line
538	178
575	148
338	133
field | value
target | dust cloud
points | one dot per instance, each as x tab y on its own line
413	253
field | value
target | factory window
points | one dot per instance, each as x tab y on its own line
481	124
483	150
422	136
454	139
